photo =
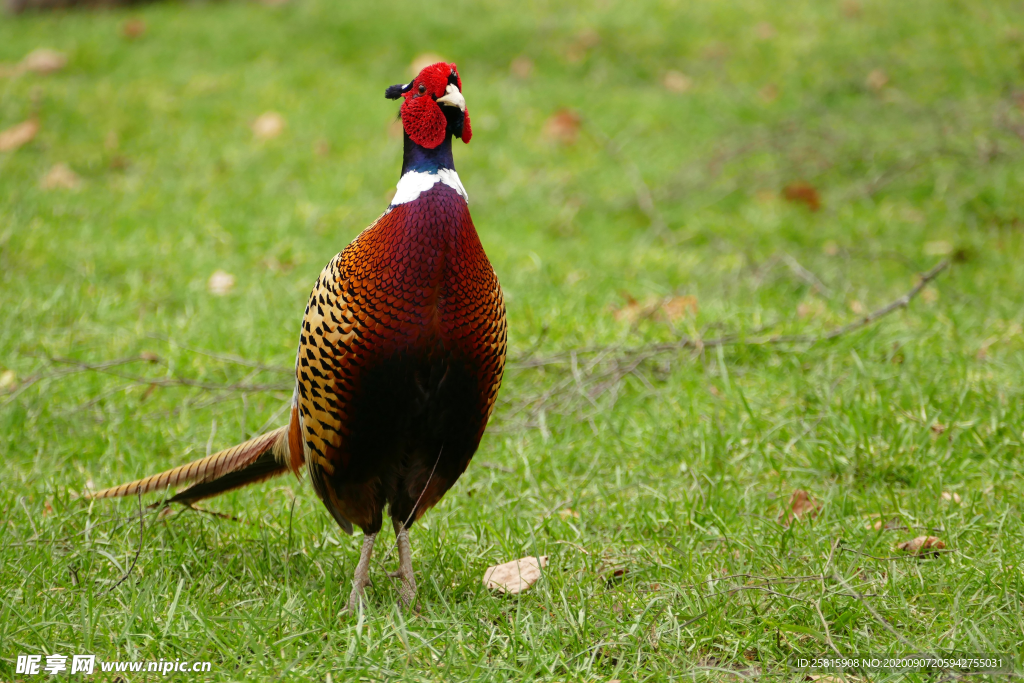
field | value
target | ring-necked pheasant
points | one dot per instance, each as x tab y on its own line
400	356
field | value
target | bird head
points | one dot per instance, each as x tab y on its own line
434	106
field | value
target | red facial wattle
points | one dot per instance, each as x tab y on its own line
422	117
424	121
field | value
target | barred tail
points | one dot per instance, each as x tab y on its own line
260	458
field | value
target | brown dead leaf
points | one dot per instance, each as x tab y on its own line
922	545
765	31
119	162
801	505
892	524
580	46
811	308
715	51
768	93
282	265
521	67
268	125
8	379
16	136
133	28
220	283
617	575
877	80
666	309
423	60
516	576
567	513
851	9
804	193
60	177
44	61
589	38
629	311
954	497
676	81
678	307
47	508
563	126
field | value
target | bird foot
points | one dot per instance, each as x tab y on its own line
362	576
407	590
357	595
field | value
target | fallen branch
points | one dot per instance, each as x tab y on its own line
104	368
138	550
739	339
24	384
591	384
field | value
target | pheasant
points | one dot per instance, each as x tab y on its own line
400	356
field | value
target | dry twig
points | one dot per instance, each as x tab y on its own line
138	550
588	380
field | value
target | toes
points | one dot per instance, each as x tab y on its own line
357	596
407	594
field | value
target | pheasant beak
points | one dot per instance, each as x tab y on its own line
453	98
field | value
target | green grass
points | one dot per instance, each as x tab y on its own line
679	482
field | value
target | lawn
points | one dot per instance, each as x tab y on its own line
681	201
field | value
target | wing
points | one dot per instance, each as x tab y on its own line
328	328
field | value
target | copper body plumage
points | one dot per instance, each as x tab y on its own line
400	360
400	356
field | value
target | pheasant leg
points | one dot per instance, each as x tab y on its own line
362	576
407	591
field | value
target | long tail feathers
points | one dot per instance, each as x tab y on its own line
260	458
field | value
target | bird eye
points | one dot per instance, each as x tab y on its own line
423	88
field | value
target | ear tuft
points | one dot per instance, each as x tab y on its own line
395	91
